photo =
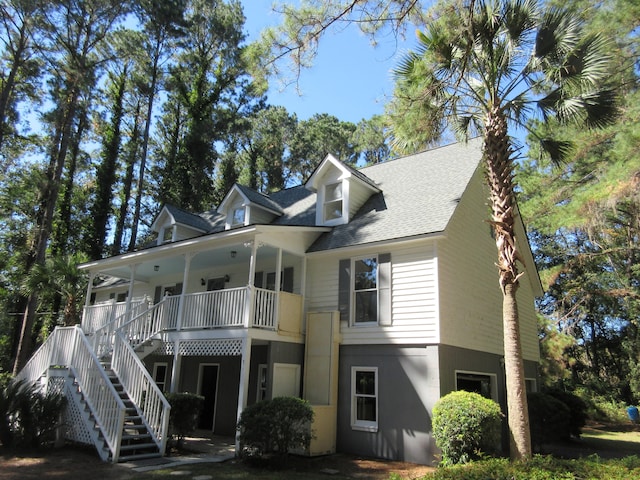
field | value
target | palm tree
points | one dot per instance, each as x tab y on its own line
59	277
482	68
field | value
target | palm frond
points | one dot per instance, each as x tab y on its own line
557	150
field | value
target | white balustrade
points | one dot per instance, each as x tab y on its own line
68	347
264	314
216	309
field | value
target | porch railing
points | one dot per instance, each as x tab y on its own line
216	309
68	347
220	308
103	336
96	317
264	308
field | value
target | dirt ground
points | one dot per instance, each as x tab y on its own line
75	463
80	463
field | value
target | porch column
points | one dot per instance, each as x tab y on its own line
243	388
87	300
185	279
132	278
252	288
276	307
175	369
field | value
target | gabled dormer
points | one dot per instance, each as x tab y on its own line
243	206
341	191
173	224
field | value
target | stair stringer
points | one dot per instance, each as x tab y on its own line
79	421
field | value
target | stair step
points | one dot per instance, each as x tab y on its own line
139	446
137	436
141	456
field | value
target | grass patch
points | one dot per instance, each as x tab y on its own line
543	468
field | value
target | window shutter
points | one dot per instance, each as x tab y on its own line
344	289
287	280
384	288
178	289
157	294
257	279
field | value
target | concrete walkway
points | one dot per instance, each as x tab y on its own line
203	447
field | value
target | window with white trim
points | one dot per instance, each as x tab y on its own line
160	370
365	290
483	384
238	217
364	398
333	205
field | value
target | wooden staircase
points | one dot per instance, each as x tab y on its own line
136	441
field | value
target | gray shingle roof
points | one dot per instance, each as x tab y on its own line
259	198
190	219
419	195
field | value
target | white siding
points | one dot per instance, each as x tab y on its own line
470	297
358	195
413	290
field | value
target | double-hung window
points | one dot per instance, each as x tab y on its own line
237	220
332	208
365	290
364	398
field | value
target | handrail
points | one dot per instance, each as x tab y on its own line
141	388
103	336
68	346
97	317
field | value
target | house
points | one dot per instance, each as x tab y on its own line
371	293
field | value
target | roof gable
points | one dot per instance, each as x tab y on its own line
249	197
421	192
170	215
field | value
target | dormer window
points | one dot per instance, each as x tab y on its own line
332	209
237	220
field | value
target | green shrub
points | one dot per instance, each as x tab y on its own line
465	426
549	419
184	415
29	416
541	468
577	410
272	428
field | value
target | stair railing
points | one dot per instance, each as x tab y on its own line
68	347
103	337
141	388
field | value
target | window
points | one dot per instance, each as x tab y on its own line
477	383
262	382
332	201
238	216
364	398
365	290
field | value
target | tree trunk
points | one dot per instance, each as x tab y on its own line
500	181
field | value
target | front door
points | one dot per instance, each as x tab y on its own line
208	382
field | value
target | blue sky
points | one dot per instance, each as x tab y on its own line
350	79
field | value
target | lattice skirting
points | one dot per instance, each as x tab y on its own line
74	426
205	348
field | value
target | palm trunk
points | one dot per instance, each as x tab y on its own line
500	181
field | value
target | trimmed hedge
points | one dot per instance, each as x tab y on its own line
465	426
184	414
274	427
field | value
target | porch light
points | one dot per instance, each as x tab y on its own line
156	268
226	279
233	253
202	282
